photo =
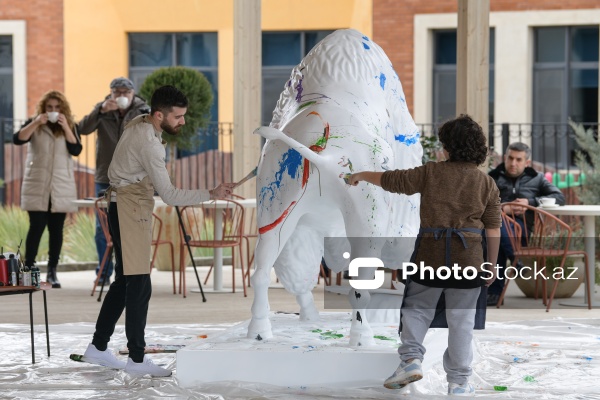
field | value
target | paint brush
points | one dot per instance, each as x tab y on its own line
251	175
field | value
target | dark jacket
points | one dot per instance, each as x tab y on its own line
110	127
531	185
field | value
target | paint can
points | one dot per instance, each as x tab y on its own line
3	270
13	270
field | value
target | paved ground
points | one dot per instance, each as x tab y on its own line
73	302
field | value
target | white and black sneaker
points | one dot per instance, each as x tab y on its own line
105	358
146	367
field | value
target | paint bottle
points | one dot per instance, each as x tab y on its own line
26	276
35	276
13	270
4	270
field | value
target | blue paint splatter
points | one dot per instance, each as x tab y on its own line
299	89
365	38
290	164
366	46
382	81
407	140
295	347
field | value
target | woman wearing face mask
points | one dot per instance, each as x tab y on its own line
49	183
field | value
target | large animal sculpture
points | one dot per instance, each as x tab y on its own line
342	111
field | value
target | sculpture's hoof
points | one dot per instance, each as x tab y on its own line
259	329
361	339
309	314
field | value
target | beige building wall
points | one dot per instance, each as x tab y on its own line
96	49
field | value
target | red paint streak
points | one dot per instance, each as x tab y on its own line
305	172
272	225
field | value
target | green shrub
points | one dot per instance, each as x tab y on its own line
14	225
79	243
199	93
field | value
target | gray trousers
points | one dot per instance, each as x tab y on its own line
418	310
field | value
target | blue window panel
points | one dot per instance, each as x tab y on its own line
197	49
550	44
150	50
281	49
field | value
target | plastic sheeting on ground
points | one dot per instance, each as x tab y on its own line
551	359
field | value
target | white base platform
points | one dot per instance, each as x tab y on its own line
384	306
300	354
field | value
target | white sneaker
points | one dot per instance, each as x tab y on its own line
454	389
146	367
105	358
406	373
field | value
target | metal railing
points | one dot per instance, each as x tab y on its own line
209	164
553	146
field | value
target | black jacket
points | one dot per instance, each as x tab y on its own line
531	185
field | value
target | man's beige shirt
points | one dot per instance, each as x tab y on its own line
140	153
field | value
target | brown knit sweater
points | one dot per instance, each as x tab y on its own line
453	195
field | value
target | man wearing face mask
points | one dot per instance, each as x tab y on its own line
109	118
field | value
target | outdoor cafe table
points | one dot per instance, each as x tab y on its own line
218	253
588	212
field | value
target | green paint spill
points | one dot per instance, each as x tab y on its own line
331	335
500	388
529	378
316	331
380	337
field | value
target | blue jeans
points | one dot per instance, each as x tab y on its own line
505	253
99	237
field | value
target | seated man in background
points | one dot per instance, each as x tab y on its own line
520	183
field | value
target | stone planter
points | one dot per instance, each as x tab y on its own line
566	287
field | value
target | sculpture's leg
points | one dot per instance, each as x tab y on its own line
264	258
308	310
361	333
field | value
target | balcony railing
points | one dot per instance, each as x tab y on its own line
553	146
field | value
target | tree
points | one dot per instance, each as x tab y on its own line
199	93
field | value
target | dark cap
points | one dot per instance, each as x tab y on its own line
122	83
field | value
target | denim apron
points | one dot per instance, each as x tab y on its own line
439	320
135	204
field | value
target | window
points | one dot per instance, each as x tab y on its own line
565	86
444	75
150	51
6	76
282	51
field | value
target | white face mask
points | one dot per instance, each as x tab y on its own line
122	102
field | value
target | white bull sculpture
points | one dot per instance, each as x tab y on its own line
342	110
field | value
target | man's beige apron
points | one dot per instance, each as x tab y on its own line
135	204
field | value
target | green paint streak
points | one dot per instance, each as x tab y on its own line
529	378
331	335
500	388
380	337
307	104
316	331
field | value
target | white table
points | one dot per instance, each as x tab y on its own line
588	212
218	253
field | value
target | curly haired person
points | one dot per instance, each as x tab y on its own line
460	222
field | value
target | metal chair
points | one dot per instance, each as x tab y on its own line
103	218
157	225
198	222
549	237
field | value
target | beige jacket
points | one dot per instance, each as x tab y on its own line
48	174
